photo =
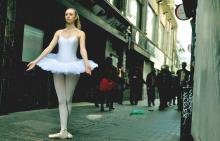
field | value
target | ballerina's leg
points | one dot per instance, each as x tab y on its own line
59	83
71	82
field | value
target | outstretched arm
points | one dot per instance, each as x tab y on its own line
46	51
83	52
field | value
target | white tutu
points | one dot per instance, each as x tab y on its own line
65	61
51	63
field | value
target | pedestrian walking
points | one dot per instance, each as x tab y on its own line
174	89
183	76
164	86
120	85
135	82
107	84
151	84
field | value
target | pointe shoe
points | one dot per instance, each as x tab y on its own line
63	134
69	135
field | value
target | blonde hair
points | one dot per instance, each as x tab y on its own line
77	21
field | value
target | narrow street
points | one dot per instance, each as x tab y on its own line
88	124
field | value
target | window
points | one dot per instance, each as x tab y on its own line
32	43
161	35
118	4
151	23
133	12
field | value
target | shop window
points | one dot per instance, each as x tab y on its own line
32	43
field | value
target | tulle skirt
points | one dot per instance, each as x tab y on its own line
53	64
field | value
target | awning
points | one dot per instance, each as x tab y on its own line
95	19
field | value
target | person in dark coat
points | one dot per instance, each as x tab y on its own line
151	84
183	77
107	70
163	84
120	86
174	89
96	76
135	82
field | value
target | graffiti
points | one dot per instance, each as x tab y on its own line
187	104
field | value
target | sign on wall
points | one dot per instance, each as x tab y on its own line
180	13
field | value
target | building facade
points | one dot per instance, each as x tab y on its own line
153	34
25	31
135	33
153	29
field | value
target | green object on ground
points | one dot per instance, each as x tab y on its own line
137	112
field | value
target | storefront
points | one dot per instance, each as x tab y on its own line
29	27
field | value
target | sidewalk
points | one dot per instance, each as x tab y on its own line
88	124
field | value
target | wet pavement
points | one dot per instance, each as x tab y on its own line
87	123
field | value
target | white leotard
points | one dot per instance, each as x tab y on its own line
65	61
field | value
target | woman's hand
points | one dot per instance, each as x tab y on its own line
88	70
31	65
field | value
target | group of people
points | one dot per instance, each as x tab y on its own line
66	68
108	84
169	86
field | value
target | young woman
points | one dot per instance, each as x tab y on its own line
65	66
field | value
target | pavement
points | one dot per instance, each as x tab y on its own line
87	123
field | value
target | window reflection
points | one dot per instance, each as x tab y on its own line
133	12
151	22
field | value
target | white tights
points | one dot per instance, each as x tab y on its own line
65	86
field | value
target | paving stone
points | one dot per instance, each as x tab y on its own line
88	124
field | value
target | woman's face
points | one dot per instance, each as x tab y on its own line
70	16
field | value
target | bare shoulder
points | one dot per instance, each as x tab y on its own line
57	33
81	33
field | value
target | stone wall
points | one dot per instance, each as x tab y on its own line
206	100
